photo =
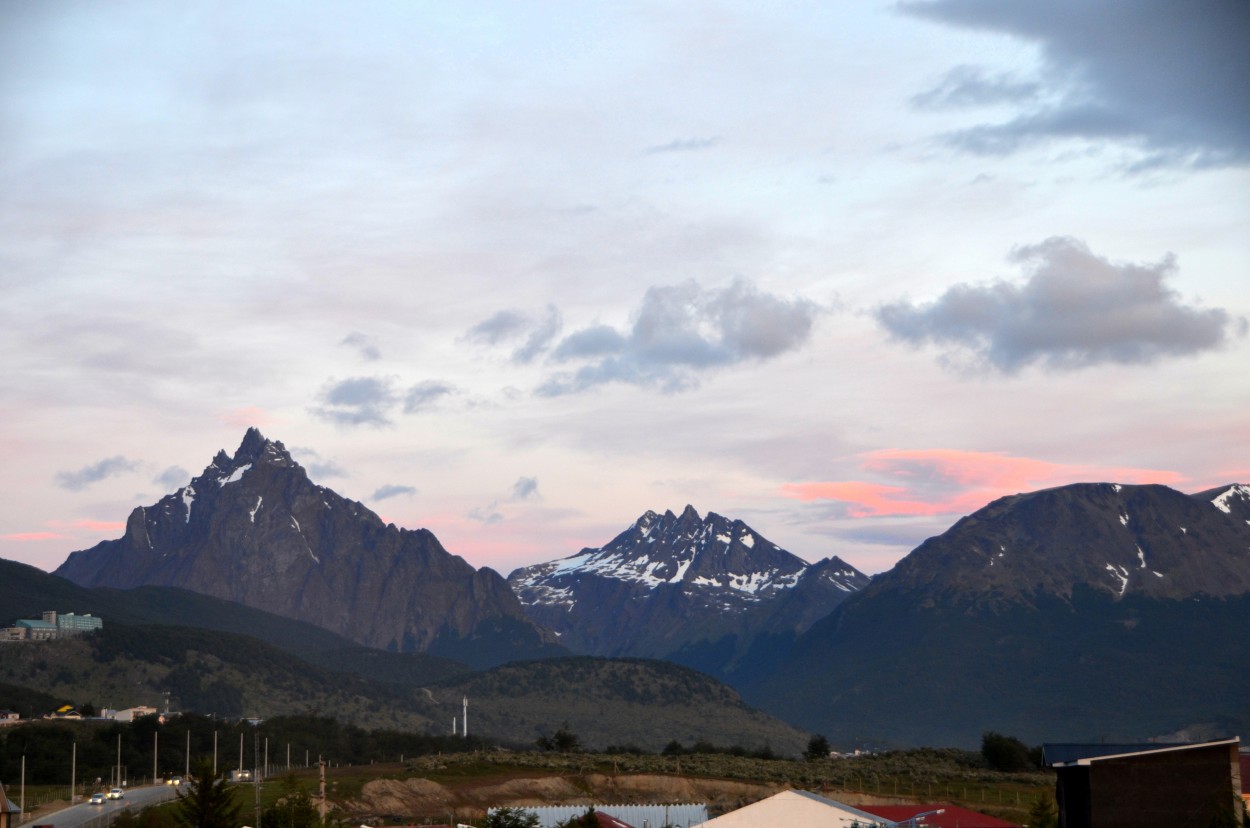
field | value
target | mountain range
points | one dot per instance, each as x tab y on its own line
1086	612
674	583
1079	612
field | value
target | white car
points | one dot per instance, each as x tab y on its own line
116	793
96	799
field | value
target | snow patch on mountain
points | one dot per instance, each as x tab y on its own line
1222	502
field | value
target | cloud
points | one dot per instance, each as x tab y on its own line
971	86
172	478
524	488
393	490
535	332
247	417
78	480
501	327
683	145
424	395
28	537
357	401
1074	309
680	330
364	346
929	482
486	515
1165	77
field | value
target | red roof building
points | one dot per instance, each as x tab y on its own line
951	816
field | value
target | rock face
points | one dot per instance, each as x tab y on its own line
675	584
255	530
1086	612
1144	540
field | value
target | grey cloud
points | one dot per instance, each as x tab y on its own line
970	86
535	332
1167	78
487	515
393	490
76	481
318	466
544	330
357	401
325	469
501	327
172	478
364	346
679	330
1074	309
424	395
524	488
683	145
595	341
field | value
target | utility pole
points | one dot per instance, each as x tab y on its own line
187	772
155	753
255	775
214	753
321	808
73	775
22	803
119	761
464	720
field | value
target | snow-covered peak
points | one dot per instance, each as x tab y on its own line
701	553
1224	500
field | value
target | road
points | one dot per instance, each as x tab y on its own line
97	816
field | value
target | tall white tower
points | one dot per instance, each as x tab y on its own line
464	718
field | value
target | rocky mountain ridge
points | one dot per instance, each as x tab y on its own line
671	581
1117	539
252	528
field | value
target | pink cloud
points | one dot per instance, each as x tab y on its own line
247	417
99	525
949	481
33	536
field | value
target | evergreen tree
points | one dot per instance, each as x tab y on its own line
1043	814
817	748
209	800
294	809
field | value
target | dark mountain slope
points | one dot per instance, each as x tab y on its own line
1080	613
613	701
255	530
25	592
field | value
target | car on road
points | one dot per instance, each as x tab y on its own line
96	799
174	780
116	793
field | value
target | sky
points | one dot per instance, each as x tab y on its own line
518	273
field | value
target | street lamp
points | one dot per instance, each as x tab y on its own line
915	821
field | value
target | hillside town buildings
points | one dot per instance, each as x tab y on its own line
51	626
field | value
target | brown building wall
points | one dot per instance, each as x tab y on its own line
1177	789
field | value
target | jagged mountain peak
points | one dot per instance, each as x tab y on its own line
672	548
253	528
672	579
